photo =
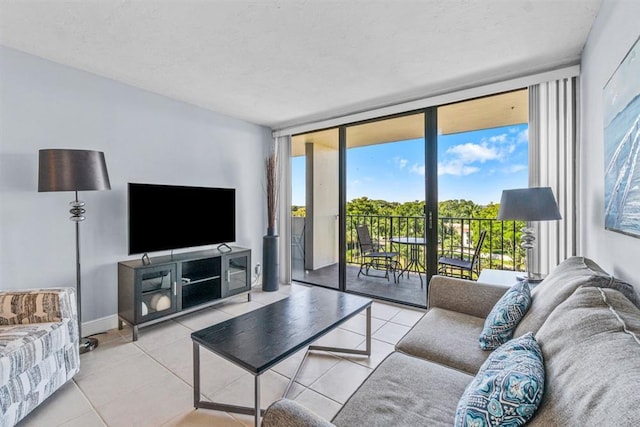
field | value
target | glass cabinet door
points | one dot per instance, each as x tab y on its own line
237	274
156	292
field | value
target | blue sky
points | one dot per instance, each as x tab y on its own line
474	165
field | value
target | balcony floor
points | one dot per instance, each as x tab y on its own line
407	290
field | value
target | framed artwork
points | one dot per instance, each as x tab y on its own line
622	146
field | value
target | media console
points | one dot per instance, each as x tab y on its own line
172	285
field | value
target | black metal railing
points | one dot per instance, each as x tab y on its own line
456	236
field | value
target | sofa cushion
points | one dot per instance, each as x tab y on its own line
289	413
405	391
591	348
505	316
462	295
24	346
560	284
36	306
508	387
446	337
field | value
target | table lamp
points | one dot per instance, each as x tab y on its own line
529	204
74	170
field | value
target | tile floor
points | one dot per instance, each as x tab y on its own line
149	382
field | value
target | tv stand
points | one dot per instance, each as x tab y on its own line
170	286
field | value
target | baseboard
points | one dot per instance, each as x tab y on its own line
97	326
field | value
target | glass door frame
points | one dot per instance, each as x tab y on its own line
430	187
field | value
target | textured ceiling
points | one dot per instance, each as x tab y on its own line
283	62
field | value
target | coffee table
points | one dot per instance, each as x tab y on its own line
258	340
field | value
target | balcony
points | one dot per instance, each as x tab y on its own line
500	250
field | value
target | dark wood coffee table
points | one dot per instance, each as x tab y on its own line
258	340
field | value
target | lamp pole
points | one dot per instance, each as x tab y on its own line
528	241
77	212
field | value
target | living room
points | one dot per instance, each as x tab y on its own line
151	137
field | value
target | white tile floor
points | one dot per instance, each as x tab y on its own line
149	382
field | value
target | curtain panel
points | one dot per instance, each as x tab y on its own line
553	163
283	147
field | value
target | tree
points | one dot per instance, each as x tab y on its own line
298	211
459	225
458	208
415	208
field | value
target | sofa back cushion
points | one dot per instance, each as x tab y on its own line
560	284
28	306
591	349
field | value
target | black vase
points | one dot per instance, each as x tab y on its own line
270	262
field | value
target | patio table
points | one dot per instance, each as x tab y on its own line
416	246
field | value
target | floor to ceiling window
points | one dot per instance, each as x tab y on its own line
419	185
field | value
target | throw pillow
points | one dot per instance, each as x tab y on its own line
505	316
507	389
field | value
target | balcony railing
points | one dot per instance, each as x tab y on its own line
457	236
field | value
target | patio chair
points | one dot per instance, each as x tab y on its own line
461	266
373	258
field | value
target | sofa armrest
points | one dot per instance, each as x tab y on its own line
287	413
19	307
464	296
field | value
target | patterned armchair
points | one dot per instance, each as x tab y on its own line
38	348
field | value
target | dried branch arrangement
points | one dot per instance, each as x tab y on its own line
272	190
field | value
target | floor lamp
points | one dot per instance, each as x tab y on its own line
74	170
529	204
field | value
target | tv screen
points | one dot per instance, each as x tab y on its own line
163	217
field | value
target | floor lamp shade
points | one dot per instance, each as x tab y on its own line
529	204
74	170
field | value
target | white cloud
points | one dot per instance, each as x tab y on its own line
401	163
470	152
523	136
417	169
515	168
465	159
456	168
499	138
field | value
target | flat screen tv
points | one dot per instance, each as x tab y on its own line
163	217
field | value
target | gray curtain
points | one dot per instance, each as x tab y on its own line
283	145
553	154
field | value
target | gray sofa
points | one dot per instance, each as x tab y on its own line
38	348
586	322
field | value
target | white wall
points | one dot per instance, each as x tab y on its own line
612	35
324	215
145	137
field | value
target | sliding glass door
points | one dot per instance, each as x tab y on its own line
364	178
385	240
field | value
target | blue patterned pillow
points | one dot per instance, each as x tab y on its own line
507	389
505	316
